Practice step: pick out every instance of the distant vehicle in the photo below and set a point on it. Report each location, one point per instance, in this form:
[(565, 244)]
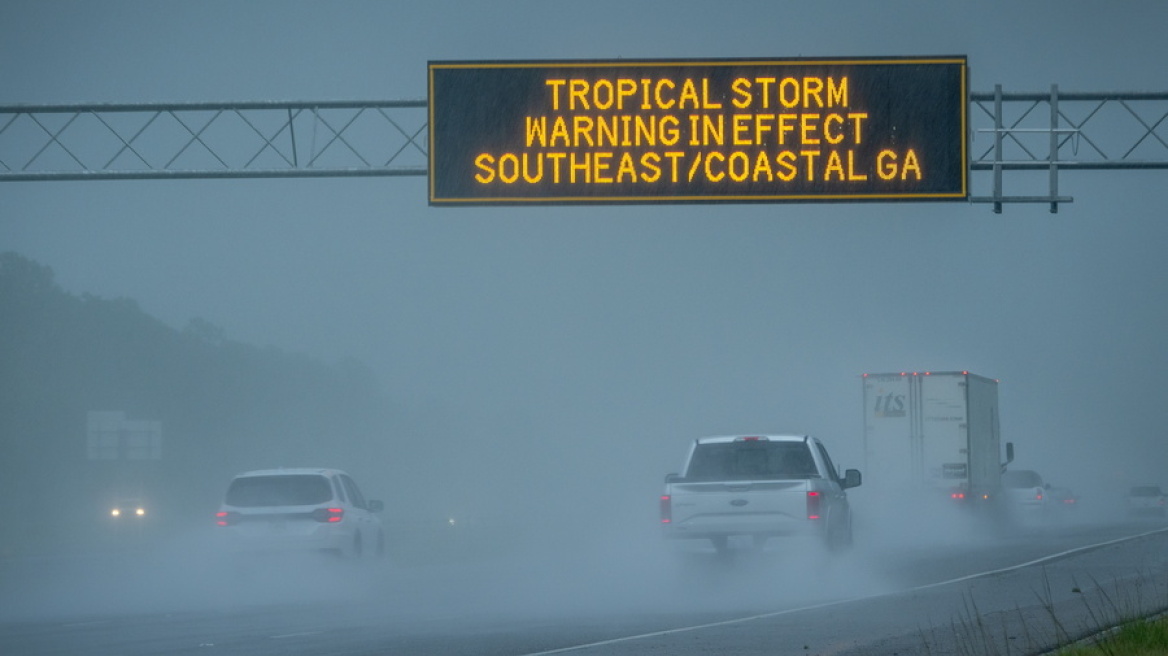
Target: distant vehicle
[(1063, 497), (300, 510), (130, 509), (933, 436), (127, 518), (1147, 500), (761, 486), (1025, 493)]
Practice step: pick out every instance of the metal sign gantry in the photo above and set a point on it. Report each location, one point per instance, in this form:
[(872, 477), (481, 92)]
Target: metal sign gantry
[(213, 140), (1041, 133), (1050, 132)]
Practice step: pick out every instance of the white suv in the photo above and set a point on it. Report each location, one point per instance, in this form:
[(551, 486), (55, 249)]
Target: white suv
[(302, 510)]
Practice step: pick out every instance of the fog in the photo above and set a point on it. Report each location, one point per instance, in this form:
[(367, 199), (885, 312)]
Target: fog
[(538, 370), (434, 577)]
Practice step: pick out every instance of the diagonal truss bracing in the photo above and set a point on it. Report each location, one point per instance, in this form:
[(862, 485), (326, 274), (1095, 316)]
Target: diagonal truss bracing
[(1053, 131), (1034, 135), (213, 140)]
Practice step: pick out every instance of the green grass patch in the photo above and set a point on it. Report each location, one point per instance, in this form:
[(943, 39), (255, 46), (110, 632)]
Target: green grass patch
[(1136, 638)]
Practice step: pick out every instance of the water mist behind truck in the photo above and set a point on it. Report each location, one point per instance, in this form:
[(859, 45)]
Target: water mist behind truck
[(934, 436)]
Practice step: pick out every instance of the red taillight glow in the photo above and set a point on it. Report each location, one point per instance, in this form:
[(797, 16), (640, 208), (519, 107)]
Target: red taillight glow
[(957, 495), (224, 518), (328, 515), (666, 509), (814, 501)]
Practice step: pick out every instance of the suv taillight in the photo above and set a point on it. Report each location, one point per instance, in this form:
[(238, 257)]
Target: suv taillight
[(666, 509), (814, 503), (225, 518), (328, 515)]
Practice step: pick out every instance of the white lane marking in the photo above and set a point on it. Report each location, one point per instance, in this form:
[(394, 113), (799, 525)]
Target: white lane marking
[(740, 620), (77, 625), (299, 634), (1039, 561)]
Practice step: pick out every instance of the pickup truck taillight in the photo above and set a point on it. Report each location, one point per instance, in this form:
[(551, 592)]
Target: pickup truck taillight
[(224, 518), (814, 503), (666, 509)]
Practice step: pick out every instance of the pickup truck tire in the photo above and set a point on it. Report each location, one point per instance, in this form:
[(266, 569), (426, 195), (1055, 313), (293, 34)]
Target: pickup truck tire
[(840, 537)]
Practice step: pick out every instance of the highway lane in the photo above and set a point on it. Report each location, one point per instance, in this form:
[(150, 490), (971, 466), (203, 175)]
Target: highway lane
[(1026, 590)]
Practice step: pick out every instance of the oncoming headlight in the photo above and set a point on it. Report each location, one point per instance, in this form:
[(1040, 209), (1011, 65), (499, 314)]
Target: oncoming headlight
[(128, 511)]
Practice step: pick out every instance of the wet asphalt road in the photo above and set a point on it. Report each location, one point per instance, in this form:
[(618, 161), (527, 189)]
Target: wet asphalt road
[(962, 594)]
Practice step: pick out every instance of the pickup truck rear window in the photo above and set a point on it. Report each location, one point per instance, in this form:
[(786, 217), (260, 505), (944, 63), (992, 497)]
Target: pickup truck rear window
[(738, 461)]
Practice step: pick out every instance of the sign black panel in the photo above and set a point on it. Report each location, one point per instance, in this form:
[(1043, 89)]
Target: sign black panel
[(669, 131)]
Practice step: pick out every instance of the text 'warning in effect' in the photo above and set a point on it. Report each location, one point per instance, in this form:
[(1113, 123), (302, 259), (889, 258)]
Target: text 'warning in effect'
[(549, 132)]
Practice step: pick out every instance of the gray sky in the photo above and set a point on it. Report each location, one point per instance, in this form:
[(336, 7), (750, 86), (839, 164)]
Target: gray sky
[(589, 339)]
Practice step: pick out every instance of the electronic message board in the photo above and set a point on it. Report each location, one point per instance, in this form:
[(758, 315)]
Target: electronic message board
[(672, 131)]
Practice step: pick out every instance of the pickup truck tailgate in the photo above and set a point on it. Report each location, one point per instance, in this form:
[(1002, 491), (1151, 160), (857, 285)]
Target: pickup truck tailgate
[(749, 506)]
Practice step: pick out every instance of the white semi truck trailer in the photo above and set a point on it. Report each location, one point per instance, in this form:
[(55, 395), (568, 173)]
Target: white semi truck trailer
[(933, 435)]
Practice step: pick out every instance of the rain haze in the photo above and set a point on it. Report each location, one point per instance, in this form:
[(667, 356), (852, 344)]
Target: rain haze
[(535, 371)]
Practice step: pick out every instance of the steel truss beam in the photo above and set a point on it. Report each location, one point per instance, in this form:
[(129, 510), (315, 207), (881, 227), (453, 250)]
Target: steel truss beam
[(213, 140), (1035, 132), (1049, 132)]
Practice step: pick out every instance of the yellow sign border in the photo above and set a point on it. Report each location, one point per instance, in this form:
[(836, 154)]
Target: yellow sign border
[(641, 200)]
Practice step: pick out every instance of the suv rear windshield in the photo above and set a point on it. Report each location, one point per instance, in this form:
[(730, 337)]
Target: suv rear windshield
[(751, 460), (282, 490)]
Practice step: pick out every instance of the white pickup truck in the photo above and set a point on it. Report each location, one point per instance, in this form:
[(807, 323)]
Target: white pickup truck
[(760, 486)]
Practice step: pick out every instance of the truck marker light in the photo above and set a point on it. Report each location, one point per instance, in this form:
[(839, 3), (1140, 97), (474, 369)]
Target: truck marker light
[(666, 509)]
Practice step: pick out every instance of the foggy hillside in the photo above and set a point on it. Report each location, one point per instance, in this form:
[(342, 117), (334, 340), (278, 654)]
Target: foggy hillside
[(224, 406)]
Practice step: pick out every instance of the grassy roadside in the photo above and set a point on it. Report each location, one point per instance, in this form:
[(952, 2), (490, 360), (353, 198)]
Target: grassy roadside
[(1133, 606), (1144, 637)]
